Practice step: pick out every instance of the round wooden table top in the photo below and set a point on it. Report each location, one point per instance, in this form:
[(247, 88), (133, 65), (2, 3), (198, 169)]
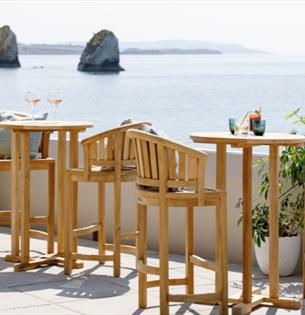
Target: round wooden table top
[(46, 125), (281, 139)]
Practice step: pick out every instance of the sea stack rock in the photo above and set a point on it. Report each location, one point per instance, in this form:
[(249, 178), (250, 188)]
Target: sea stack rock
[(101, 53), (8, 48)]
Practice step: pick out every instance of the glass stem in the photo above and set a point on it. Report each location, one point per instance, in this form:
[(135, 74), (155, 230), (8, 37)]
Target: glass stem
[(32, 110), (54, 112)]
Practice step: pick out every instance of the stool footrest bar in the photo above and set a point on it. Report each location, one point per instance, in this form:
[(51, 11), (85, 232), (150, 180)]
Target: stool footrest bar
[(128, 249), (198, 261), (39, 234), (39, 219), (195, 298), (156, 283), (129, 236), (141, 267), (293, 304), (92, 257), (87, 230)]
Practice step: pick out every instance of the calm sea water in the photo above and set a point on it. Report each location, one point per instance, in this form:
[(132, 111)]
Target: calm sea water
[(179, 94)]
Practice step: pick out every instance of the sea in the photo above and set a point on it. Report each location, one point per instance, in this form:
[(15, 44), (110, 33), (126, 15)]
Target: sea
[(179, 94)]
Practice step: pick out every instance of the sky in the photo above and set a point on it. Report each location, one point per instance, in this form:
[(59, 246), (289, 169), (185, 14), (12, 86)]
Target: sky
[(275, 26)]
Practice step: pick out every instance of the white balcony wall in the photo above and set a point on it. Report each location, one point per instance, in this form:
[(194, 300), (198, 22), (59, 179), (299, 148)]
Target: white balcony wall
[(205, 217)]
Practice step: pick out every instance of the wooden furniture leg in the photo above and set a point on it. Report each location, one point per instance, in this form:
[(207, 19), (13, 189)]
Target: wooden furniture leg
[(74, 184), (247, 234), (222, 259), (189, 250), (247, 225), (141, 252), (117, 229), (15, 190), (25, 198), (51, 200), (163, 257), (274, 222), (102, 221), (68, 228), (221, 183), (61, 166)]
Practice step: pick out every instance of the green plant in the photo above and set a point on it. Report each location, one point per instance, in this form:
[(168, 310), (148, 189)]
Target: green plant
[(292, 188)]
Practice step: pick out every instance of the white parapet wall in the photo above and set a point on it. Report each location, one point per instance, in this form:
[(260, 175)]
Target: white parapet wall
[(204, 219)]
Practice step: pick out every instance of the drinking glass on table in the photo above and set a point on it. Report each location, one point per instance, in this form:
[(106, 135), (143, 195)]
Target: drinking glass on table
[(32, 98), (233, 126), (259, 127), (54, 98)]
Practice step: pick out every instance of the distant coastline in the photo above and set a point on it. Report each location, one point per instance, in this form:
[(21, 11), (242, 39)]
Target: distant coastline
[(44, 49), (173, 51), (163, 47)]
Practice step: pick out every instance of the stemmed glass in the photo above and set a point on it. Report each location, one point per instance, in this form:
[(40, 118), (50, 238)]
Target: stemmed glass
[(54, 98), (32, 98)]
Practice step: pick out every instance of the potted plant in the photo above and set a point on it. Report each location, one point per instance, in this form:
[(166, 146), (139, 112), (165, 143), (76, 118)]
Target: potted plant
[(292, 188)]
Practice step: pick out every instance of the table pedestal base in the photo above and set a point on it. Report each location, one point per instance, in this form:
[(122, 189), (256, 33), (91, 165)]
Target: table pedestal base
[(42, 261), (12, 258), (259, 300)]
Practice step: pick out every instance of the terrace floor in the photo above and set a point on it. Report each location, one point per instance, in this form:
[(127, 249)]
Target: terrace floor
[(93, 290)]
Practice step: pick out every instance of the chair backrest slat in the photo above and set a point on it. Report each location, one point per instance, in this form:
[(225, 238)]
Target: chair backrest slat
[(110, 148), (102, 149), (126, 150), (192, 167), (146, 160), (132, 150), (182, 164), (140, 158), (171, 155), (153, 160), (93, 151)]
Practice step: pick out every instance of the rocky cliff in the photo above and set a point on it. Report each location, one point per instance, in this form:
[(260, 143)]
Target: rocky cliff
[(101, 53), (8, 48)]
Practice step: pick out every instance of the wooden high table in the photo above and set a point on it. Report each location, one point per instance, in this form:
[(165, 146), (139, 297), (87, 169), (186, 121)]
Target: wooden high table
[(250, 299), (20, 186)]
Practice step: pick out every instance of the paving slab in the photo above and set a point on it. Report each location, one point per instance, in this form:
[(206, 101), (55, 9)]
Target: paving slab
[(48, 309), (12, 299)]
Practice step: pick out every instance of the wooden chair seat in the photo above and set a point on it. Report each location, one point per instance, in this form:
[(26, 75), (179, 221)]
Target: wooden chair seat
[(109, 157), (181, 197), (96, 175)]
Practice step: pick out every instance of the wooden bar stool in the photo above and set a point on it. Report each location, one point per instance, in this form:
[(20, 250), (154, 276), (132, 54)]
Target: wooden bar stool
[(44, 162), (109, 157), (172, 175)]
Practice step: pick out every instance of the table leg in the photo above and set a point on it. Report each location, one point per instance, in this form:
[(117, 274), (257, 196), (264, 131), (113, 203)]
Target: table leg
[(221, 166), (74, 184), (25, 197), (274, 222), (246, 306), (15, 214), (221, 183), (61, 167), (247, 225)]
